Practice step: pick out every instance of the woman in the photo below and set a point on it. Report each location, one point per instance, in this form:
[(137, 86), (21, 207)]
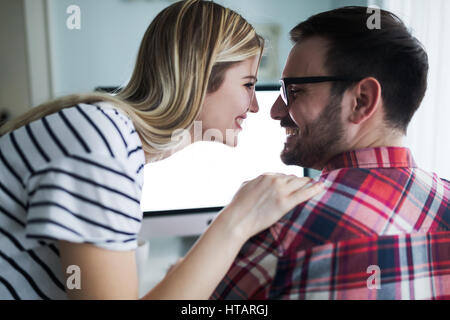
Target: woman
[(71, 169)]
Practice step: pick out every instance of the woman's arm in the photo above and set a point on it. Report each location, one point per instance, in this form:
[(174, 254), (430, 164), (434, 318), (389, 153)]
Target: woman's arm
[(105, 274), (257, 205)]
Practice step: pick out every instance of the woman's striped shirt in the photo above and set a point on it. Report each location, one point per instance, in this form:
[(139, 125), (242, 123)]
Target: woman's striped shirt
[(75, 175)]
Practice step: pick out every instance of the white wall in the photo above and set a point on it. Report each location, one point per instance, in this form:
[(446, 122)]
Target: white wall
[(103, 52), (344, 3), (428, 134)]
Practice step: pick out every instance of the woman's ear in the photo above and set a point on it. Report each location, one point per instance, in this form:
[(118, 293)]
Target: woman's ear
[(367, 99)]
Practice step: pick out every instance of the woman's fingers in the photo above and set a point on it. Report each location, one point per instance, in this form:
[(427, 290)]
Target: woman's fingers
[(295, 191), (303, 194), (294, 183), (264, 200), (263, 177), (273, 174)]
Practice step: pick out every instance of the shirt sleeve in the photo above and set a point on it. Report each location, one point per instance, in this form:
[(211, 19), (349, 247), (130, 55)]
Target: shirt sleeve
[(85, 199)]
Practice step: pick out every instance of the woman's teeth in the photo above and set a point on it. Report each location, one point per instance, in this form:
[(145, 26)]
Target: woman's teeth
[(240, 121), (292, 131)]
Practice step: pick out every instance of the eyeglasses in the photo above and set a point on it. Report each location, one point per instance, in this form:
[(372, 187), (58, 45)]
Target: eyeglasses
[(285, 82)]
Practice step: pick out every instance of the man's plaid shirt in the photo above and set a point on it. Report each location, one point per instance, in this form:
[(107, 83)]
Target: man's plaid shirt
[(378, 211)]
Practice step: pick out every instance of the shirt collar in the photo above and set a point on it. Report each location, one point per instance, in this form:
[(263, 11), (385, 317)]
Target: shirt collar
[(383, 157)]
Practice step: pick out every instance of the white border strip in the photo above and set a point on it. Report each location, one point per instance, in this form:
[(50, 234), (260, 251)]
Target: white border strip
[(37, 41)]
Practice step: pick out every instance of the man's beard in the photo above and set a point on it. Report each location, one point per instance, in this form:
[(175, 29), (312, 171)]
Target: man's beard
[(318, 141)]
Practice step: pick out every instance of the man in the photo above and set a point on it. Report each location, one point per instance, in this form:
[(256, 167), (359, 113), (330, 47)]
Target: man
[(382, 228)]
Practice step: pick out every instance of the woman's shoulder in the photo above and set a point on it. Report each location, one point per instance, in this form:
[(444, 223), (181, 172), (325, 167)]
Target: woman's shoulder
[(92, 130), (95, 128)]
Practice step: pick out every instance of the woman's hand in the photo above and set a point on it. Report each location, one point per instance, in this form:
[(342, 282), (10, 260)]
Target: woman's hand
[(263, 201)]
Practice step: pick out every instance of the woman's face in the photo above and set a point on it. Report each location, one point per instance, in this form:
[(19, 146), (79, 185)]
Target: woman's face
[(225, 110)]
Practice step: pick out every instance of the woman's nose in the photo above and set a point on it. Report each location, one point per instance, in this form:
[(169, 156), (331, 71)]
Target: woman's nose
[(254, 106)]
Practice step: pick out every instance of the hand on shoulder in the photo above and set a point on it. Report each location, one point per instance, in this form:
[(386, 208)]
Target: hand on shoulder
[(261, 202)]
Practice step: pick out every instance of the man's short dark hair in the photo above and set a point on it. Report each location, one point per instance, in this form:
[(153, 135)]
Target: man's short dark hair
[(390, 54)]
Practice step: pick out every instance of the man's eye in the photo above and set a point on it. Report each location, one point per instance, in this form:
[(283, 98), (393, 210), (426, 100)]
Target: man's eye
[(249, 85), (295, 91)]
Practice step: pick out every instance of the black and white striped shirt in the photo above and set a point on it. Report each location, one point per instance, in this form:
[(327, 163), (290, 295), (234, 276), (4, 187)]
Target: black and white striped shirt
[(75, 175)]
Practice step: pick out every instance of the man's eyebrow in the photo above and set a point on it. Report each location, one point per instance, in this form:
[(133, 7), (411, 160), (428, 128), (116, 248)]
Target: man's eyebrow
[(301, 85), (251, 77)]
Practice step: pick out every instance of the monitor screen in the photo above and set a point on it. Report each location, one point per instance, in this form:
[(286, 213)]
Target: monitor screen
[(203, 178)]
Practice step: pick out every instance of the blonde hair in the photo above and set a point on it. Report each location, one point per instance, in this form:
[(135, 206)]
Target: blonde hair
[(184, 54)]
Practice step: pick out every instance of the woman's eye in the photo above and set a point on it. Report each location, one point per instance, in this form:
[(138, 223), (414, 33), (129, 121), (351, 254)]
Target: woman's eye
[(249, 85)]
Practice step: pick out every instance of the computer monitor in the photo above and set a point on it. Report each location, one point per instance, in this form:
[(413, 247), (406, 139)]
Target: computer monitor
[(184, 193)]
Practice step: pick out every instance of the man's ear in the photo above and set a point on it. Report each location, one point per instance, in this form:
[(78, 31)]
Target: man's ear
[(366, 100)]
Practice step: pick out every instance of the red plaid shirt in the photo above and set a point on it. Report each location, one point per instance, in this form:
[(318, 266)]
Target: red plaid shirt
[(381, 230)]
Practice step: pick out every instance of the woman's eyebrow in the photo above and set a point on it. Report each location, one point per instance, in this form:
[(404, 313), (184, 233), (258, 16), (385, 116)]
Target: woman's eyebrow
[(251, 77)]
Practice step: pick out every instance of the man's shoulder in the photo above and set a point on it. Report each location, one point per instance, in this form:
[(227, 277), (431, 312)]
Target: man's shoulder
[(294, 229), (359, 203)]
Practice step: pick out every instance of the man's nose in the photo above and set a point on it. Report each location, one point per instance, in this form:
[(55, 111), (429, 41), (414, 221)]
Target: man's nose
[(254, 106), (278, 110)]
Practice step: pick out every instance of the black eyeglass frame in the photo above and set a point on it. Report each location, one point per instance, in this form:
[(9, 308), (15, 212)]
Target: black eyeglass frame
[(285, 82)]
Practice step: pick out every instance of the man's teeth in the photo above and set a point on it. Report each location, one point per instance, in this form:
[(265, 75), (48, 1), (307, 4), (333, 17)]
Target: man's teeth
[(240, 121), (292, 131)]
